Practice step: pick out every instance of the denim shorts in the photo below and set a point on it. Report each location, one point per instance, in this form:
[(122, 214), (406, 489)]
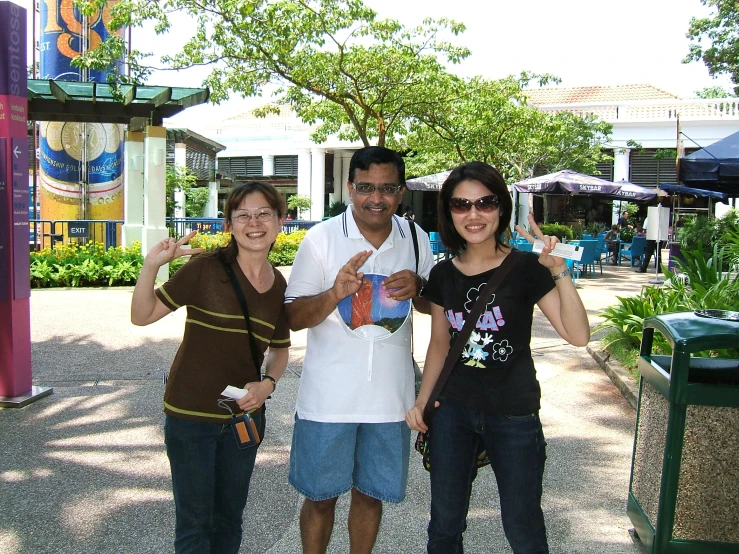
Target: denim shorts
[(329, 459)]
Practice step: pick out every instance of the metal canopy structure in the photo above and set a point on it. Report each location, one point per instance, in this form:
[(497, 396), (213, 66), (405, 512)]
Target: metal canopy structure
[(50, 100)]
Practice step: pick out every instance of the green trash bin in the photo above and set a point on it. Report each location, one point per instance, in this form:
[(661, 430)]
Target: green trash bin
[(684, 485)]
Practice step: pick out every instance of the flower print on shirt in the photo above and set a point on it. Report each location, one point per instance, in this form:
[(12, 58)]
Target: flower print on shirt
[(472, 296), (479, 346), (502, 350)]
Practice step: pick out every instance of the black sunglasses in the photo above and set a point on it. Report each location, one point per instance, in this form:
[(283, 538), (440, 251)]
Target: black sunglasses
[(486, 204)]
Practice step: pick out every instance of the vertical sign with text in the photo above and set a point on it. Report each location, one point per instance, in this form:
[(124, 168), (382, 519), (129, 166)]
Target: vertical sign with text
[(4, 233), (15, 318), (21, 228), (14, 128)]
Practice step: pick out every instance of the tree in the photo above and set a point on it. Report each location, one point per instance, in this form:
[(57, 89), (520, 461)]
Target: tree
[(492, 122), (714, 92), (720, 31), (196, 199), (338, 66), (177, 178), (299, 203)]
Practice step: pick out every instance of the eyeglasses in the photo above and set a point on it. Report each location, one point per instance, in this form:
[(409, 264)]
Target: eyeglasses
[(260, 215), (486, 204), (366, 189)]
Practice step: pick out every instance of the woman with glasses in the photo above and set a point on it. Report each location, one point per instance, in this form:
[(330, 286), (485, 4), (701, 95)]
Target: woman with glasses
[(492, 396), (210, 468)]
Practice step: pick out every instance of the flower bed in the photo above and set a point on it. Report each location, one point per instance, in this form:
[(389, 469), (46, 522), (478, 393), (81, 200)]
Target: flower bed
[(86, 265), (91, 265)]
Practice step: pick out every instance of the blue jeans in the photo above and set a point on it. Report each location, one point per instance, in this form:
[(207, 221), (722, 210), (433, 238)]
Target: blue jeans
[(517, 451), (210, 481)]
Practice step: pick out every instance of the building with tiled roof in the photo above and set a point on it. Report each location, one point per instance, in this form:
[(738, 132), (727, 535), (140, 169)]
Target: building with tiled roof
[(580, 95)]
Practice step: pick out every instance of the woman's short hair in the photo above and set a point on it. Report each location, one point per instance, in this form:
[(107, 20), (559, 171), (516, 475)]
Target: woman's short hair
[(488, 177), (237, 194)]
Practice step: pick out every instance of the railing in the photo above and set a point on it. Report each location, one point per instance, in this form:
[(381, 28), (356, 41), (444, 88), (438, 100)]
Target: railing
[(182, 225), (650, 110), (45, 233), (297, 224)]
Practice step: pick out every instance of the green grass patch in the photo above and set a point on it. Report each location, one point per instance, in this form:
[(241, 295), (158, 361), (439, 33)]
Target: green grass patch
[(621, 350)]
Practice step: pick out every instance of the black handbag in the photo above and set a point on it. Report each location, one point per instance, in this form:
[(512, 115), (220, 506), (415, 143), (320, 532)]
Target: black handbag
[(422, 440)]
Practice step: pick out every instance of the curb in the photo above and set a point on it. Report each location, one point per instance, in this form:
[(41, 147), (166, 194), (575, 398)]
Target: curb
[(619, 375)]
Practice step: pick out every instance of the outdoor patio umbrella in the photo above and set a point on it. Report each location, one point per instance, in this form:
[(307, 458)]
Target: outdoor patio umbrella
[(689, 191), (567, 182), (428, 182), (630, 191), (715, 167)]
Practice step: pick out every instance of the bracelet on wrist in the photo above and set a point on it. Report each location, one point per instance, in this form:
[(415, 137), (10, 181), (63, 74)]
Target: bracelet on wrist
[(564, 273), (274, 383)]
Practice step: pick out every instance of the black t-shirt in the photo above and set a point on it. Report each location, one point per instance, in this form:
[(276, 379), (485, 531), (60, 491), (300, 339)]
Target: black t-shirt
[(495, 372)]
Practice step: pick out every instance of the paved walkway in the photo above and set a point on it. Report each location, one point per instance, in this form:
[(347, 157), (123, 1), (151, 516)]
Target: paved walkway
[(84, 470)]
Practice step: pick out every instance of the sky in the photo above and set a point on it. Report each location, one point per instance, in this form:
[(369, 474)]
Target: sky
[(583, 42)]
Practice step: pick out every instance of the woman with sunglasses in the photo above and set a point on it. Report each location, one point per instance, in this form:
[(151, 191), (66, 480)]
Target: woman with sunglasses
[(211, 469), (492, 395)]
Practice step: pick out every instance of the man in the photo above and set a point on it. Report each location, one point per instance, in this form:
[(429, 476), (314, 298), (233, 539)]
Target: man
[(650, 250), (623, 221), (355, 388)]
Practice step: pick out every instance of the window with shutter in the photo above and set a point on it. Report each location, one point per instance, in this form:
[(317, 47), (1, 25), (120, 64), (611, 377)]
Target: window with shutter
[(254, 166), (604, 170), (224, 166), (286, 165), (648, 171)]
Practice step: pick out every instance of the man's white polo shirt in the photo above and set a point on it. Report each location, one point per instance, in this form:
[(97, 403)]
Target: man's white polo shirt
[(347, 378)]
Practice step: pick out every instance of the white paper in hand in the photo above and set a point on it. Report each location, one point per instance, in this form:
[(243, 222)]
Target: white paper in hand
[(569, 251), (234, 392)]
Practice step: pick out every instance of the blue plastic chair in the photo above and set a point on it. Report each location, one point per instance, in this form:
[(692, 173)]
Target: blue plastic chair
[(588, 257), (437, 247), (635, 252), (601, 250), (524, 246)]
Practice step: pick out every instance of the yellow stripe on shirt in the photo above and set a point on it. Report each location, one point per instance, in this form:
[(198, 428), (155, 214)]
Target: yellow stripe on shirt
[(231, 316), (227, 329), (168, 297), (194, 413)]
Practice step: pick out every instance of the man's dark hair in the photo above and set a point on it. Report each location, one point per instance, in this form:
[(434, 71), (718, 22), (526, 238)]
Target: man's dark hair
[(364, 157), (488, 177)]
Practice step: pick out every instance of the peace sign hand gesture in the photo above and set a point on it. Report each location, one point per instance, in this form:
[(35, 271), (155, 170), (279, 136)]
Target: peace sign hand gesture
[(349, 279), (545, 258), (167, 250)]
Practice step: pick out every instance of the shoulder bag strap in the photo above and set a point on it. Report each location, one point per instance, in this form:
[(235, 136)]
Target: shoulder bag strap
[(242, 301), (412, 227), (459, 343), (416, 371)]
